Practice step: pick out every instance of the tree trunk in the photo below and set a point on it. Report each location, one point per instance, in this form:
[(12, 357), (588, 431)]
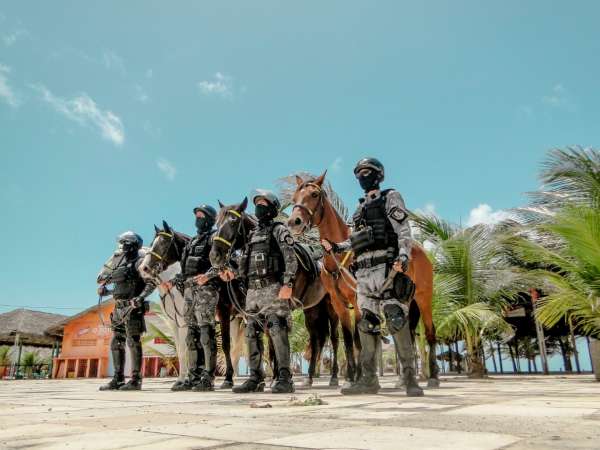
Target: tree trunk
[(564, 350), (574, 344), (493, 357), (595, 357), (512, 358), (458, 362), (474, 355), (500, 358)]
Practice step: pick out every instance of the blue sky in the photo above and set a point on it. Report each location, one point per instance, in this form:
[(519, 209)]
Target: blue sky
[(115, 115)]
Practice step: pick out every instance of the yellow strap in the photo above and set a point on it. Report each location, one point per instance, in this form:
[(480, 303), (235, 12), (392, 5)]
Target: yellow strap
[(346, 257), (235, 213), (316, 186), (163, 233), (224, 241), (156, 255)]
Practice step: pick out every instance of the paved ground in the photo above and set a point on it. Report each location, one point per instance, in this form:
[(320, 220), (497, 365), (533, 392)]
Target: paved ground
[(503, 412)]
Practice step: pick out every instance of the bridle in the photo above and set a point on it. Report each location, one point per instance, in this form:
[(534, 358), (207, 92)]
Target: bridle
[(240, 231), (161, 258), (310, 212)]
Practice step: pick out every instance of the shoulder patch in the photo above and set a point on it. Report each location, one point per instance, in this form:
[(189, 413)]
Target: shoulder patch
[(399, 215)]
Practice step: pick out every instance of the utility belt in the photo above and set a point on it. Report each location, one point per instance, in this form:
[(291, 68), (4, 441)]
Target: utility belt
[(124, 303), (259, 283), (372, 261)]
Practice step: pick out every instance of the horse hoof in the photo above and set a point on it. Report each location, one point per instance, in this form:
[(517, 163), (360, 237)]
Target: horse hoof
[(433, 383), (226, 384), (334, 382)]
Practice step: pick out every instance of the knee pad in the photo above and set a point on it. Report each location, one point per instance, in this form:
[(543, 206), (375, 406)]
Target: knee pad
[(206, 334), (117, 343), (369, 323), (394, 317), (404, 288), (276, 323), (253, 329)]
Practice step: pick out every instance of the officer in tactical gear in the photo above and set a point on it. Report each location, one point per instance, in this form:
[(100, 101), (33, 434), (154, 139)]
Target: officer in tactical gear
[(200, 290), (129, 291), (381, 243), (269, 264)]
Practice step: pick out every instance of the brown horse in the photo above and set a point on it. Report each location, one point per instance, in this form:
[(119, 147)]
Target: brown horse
[(313, 208)]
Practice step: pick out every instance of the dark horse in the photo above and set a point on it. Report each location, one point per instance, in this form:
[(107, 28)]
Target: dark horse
[(166, 249), (233, 229)]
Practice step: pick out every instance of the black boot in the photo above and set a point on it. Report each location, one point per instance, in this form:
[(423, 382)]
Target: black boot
[(284, 383), (412, 387), (250, 385), (135, 384), (205, 384), (208, 342), (113, 385), (182, 386), (117, 347), (368, 382)]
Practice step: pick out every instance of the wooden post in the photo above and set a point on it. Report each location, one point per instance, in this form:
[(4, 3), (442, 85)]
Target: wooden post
[(541, 339)]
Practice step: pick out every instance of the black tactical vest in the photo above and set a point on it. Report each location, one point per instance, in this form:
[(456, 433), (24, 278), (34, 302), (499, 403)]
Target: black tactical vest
[(195, 255), (372, 227), (265, 259), (127, 281)]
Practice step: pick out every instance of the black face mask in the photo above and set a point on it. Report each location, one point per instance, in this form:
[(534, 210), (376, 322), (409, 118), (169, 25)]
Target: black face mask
[(202, 224), (263, 213), (369, 182), (129, 248)]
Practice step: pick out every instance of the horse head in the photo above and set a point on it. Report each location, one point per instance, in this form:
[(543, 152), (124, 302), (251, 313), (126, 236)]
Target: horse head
[(165, 250), (308, 204), (233, 226)]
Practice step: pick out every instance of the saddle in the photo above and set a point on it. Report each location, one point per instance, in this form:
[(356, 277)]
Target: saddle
[(308, 258)]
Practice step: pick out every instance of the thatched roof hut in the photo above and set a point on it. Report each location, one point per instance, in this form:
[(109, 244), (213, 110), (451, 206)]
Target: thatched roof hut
[(29, 325)]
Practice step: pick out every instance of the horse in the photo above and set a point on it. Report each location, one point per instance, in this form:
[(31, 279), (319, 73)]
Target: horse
[(233, 229), (165, 251), (312, 208)]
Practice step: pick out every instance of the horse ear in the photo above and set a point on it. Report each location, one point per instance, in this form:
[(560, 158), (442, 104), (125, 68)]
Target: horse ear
[(242, 207), (299, 181), (166, 226), (156, 229), (221, 205), (320, 179)]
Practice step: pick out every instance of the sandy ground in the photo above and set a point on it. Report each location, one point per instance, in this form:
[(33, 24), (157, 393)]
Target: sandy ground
[(533, 412)]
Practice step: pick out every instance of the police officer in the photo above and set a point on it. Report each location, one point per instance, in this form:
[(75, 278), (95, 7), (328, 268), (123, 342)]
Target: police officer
[(201, 294), (269, 264), (381, 243), (127, 320)]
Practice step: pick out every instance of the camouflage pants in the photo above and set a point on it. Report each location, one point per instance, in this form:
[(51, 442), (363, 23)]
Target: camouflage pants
[(128, 325), (200, 309), (267, 312), (370, 281)]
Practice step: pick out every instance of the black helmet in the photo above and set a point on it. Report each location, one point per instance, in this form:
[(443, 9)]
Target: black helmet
[(130, 239), (370, 163), (268, 196), (208, 210)]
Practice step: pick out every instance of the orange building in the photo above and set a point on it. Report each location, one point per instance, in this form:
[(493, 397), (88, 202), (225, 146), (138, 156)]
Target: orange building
[(85, 351)]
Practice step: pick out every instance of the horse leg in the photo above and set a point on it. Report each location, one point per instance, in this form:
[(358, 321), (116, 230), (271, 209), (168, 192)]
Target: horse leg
[(311, 321), (334, 321), (272, 359), (339, 305), (225, 316), (424, 303)]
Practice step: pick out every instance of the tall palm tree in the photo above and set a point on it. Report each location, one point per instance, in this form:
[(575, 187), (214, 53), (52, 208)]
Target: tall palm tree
[(473, 282)]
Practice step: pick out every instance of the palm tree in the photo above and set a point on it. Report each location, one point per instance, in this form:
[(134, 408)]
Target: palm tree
[(473, 282)]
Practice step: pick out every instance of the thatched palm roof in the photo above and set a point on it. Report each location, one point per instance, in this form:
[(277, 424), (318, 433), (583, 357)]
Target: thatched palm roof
[(29, 325)]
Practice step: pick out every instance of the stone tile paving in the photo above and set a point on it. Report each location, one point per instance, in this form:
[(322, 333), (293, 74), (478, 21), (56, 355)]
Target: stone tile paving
[(505, 412)]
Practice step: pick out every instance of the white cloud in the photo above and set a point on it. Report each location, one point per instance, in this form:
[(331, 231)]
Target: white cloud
[(336, 165), (167, 168), (83, 110), (11, 38), (141, 95), (484, 214), (221, 85), (559, 98), (6, 92), (113, 61)]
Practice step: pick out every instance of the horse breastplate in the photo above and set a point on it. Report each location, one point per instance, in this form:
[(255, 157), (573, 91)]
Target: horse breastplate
[(196, 259), (372, 227), (265, 259)]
